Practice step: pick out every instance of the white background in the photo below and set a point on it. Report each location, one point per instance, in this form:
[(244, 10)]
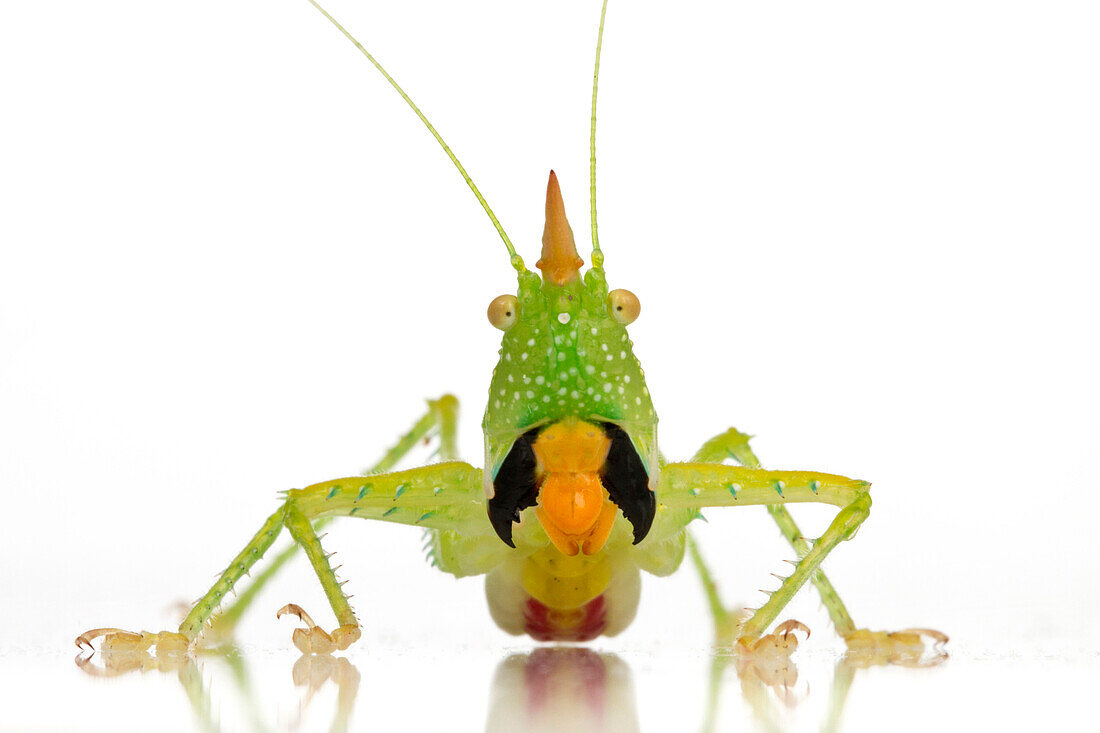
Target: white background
[(234, 262)]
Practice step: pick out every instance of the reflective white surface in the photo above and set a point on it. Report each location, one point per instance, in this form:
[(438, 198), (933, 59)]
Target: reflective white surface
[(443, 688), (233, 263)]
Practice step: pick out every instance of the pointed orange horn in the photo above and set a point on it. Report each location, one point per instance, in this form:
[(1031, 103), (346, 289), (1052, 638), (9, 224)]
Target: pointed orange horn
[(560, 262)]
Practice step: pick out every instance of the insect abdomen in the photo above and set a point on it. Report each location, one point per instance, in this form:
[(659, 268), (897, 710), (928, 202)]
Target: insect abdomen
[(553, 597)]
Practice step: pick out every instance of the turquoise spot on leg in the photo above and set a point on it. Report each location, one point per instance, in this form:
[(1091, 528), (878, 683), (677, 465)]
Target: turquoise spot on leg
[(390, 511), (354, 509), (333, 492), (733, 490), (779, 487), (424, 516), (400, 490), (815, 485), (363, 491)]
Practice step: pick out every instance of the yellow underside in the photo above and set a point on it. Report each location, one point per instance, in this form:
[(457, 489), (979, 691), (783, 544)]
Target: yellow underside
[(565, 581)]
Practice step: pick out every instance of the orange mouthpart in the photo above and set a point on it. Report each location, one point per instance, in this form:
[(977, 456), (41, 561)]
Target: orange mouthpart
[(560, 262), (573, 506)]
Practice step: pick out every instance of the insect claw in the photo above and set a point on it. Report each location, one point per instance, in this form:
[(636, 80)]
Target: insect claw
[(295, 609), (788, 627)]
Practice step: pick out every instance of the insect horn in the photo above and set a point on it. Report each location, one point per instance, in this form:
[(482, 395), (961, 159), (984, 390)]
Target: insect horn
[(560, 263)]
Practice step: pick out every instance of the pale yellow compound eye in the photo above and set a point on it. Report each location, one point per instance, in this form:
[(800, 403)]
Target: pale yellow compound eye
[(624, 306), (503, 311)]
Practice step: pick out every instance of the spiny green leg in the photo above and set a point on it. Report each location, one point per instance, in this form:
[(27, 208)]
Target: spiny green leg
[(313, 639), (769, 665), (443, 496), (898, 647), (689, 487), (120, 640), (734, 444), (441, 417), (206, 606)]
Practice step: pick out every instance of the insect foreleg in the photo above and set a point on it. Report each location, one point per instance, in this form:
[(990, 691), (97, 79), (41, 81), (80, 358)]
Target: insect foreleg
[(699, 485), (443, 496), (735, 444), (441, 419)]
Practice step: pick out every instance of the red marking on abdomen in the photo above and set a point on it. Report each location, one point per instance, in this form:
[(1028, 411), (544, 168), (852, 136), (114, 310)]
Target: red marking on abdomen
[(576, 624)]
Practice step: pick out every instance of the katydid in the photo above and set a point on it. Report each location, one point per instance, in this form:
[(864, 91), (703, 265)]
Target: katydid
[(575, 499)]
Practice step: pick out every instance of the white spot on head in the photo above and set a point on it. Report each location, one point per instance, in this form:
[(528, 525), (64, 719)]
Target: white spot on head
[(603, 347), (574, 394), (598, 398), (523, 356), (561, 356), (510, 379), (496, 403), (540, 379), (626, 378), (546, 398), (594, 331), (607, 387), (637, 400), (622, 354), (622, 390), (563, 318), (590, 369), (590, 390), (530, 342), (530, 394)]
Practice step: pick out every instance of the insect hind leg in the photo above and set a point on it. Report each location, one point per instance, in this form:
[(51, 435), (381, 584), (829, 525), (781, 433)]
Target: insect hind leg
[(440, 420)]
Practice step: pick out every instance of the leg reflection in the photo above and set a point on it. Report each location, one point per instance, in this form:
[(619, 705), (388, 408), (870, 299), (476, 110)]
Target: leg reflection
[(312, 672)]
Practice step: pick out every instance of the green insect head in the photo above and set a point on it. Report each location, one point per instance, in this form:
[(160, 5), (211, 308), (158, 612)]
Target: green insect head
[(566, 359)]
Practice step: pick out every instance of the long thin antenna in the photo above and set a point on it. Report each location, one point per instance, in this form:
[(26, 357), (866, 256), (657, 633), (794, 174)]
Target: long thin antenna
[(517, 261), (597, 255)]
